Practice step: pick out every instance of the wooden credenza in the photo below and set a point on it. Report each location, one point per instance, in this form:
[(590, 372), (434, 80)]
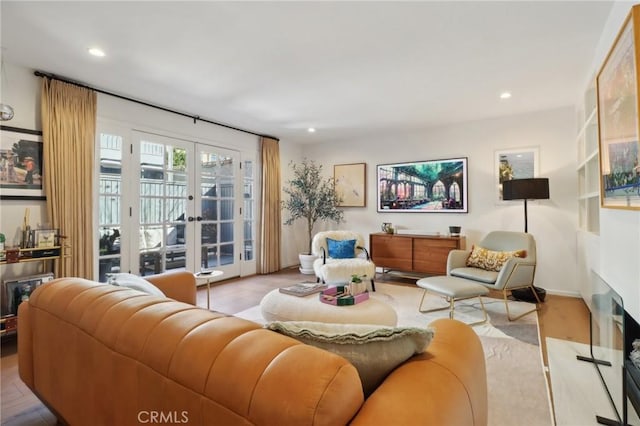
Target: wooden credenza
[(425, 254)]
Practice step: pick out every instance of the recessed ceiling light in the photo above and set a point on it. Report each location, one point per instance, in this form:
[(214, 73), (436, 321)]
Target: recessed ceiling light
[(311, 130), (96, 52), (505, 95)]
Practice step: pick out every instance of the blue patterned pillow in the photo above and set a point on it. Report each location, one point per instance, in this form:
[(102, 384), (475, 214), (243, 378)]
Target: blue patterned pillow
[(341, 249)]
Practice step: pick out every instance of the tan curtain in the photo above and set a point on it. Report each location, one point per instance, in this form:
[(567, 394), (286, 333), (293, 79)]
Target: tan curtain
[(68, 133), (270, 226)]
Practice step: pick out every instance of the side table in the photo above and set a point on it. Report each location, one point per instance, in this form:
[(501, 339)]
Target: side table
[(206, 278)]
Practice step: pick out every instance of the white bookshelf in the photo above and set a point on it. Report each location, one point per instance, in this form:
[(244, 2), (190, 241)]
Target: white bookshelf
[(588, 164)]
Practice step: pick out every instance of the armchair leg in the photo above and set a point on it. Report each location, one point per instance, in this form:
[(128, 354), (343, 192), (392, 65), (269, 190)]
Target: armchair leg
[(373, 285), (506, 304)]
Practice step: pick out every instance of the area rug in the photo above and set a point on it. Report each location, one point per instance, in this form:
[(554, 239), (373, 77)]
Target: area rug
[(518, 391)]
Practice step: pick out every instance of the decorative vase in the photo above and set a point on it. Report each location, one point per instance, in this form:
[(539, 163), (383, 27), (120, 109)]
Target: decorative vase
[(306, 263)]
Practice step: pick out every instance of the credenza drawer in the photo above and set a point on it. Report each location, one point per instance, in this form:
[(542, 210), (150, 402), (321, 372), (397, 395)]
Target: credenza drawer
[(413, 253)]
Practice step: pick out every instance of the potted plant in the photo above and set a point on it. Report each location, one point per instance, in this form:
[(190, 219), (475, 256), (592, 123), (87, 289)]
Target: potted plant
[(313, 198)]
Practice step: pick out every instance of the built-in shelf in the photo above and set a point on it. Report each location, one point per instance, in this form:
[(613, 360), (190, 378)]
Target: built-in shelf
[(588, 169), (36, 255)]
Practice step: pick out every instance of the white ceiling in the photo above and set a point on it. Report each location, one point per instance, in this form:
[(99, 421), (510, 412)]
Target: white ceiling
[(346, 68)]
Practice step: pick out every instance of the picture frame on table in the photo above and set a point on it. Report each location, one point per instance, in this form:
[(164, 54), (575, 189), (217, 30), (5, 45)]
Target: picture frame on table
[(21, 164), (430, 186), (617, 105), (351, 184), (515, 163), (45, 238)]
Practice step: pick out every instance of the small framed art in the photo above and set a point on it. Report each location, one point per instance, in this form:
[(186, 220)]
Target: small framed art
[(21, 164), (45, 238), (350, 181), (517, 163)]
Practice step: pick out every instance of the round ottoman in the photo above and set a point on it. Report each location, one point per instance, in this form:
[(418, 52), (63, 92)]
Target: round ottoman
[(276, 306)]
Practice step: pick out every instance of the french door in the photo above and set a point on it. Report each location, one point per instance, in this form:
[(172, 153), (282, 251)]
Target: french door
[(173, 204)]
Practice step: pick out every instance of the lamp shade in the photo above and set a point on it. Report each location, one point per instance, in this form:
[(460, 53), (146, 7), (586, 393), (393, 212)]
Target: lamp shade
[(526, 189)]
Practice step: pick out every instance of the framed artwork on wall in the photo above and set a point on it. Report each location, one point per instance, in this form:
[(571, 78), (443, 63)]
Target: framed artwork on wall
[(21, 164), (617, 93), (351, 186), (433, 186), (517, 163)]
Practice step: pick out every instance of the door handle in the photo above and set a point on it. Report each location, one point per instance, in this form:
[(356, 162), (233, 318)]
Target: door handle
[(199, 218), (190, 219)]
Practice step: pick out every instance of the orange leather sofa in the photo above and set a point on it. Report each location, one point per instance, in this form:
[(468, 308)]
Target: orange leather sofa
[(105, 355)]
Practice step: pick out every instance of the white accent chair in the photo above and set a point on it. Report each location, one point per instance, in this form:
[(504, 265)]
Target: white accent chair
[(339, 271), (517, 272)]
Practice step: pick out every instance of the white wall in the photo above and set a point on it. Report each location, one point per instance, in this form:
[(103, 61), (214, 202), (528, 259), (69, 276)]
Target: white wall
[(552, 222), (21, 90)]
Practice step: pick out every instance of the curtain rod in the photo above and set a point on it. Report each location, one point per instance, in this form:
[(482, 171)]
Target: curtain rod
[(126, 98)]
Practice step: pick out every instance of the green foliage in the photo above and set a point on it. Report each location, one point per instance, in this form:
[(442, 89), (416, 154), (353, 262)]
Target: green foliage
[(311, 197)]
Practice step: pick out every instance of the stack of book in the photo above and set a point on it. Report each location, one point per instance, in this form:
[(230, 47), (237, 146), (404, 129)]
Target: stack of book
[(303, 289)]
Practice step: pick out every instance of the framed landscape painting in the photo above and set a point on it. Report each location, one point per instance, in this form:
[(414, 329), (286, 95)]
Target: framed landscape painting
[(350, 181), (432, 186), (518, 163), (21, 164), (617, 92)]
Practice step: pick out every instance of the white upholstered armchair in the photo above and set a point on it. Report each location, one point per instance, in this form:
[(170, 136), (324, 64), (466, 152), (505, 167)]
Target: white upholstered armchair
[(341, 254), (508, 263)]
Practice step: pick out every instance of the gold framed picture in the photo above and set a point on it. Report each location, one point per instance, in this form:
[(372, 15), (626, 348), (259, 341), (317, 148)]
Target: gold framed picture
[(617, 93)]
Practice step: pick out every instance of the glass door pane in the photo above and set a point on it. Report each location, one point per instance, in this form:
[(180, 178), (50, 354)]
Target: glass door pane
[(218, 222), (164, 204), (109, 205), (248, 212)]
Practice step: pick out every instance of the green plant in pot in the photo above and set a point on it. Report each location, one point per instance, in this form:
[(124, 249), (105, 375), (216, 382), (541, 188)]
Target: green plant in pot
[(313, 198)]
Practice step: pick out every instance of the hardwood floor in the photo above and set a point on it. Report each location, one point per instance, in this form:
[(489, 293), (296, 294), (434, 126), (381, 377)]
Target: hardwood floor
[(560, 317)]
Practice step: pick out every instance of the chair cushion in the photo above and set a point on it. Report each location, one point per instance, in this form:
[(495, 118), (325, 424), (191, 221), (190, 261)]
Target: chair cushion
[(476, 274), (491, 260), (374, 350), (341, 249)]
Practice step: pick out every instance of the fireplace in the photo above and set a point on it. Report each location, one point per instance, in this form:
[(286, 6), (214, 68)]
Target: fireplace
[(632, 372), (613, 331)]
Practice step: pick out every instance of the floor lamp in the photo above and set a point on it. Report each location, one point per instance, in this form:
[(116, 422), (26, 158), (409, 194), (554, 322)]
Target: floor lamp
[(526, 189)]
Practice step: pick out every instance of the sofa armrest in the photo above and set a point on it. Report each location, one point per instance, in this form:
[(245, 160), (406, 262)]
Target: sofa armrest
[(516, 272), (180, 286), (414, 393), (457, 259), (25, 346)]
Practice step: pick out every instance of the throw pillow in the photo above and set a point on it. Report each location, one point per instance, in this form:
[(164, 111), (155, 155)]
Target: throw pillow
[(491, 260), (341, 249), (374, 350), (136, 283)]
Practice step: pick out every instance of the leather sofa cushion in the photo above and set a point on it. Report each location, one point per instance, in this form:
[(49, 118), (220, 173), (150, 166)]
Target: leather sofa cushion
[(375, 351)]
